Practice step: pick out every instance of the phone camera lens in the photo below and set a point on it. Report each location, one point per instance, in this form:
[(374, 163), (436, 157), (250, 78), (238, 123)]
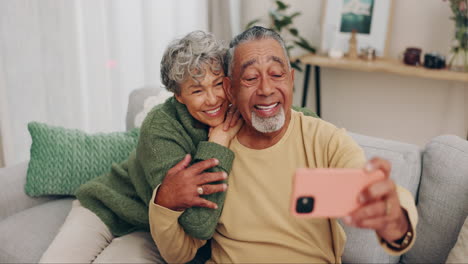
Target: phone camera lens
[(305, 204)]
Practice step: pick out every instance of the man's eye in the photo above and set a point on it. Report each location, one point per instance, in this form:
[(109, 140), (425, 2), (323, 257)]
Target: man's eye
[(251, 79), (220, 83), (196, 91), (278, 75)]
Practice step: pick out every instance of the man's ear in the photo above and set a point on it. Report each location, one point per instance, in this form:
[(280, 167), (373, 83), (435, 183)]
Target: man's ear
[(228, 89), (292, 74)]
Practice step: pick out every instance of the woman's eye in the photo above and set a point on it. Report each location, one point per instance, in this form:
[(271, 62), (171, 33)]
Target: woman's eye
[(196, 91), (220, 83), (251, 79)]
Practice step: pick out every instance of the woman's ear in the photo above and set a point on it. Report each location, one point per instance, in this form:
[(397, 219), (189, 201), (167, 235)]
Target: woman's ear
[(228, 89), (178, 98)]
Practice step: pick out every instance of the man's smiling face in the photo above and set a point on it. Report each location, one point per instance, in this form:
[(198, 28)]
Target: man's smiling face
[(262, 84)]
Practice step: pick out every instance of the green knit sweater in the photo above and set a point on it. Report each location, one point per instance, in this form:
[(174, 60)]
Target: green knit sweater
[(120, 198)]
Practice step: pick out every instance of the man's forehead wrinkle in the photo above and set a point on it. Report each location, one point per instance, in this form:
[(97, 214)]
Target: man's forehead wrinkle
[(248, 63), (276, 59), (257, 52)]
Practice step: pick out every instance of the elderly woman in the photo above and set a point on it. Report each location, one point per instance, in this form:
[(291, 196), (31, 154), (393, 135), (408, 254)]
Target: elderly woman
[(109, 221)]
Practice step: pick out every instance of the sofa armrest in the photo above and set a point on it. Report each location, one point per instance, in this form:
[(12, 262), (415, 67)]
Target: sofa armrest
[(13, 199)]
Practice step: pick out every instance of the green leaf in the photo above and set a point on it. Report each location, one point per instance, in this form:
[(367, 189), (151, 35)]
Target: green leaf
[(275, 15), (305, 46), (306, 43), (296, 66), (295, 15), (281, 5), (281, 23), (252, 23), (294, 32), (278, 25), (287, 21)]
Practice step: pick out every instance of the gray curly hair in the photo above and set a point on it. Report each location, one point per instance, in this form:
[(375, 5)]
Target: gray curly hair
[(187, 57)]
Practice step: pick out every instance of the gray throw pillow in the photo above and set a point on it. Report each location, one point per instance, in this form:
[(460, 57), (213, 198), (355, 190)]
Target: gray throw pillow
[(443, 200)]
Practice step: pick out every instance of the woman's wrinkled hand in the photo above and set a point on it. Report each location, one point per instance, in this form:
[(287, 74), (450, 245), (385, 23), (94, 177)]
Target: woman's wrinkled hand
[(183, 185), (232, 116), (225, 132)]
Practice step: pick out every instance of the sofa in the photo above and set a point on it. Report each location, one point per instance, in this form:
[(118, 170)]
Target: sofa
[(436, 175)]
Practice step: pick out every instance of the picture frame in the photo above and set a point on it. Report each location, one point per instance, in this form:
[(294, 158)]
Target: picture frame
[(370, 18)]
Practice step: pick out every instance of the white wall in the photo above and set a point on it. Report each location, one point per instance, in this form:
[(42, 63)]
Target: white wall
[(1, 153), (395, 107), (74, 63)]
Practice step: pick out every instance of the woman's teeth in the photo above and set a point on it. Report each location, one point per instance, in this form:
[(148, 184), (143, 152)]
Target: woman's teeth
[(263, 107), (214, 111)]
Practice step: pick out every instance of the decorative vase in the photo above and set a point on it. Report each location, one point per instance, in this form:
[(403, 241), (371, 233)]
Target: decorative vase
[(458, 58)]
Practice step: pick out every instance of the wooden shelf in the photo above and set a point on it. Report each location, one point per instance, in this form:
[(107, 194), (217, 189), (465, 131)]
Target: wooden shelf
[(384, 65)]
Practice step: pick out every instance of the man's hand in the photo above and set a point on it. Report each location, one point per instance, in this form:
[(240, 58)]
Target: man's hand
[(380, 208), (183, 185)]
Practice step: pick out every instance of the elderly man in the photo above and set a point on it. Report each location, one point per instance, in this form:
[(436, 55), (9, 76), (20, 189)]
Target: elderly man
[(255, 225)]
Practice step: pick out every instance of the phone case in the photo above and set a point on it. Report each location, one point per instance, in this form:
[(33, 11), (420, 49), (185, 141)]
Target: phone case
[(329, 193)]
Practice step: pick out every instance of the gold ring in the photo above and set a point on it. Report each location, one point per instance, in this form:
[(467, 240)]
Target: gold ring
[(388, 207), (200, 190)]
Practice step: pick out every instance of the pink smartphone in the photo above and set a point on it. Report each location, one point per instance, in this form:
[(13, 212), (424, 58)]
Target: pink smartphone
[(329, 193)]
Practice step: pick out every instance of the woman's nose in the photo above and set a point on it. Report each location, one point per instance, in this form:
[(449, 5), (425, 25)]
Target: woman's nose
[(211, 98)]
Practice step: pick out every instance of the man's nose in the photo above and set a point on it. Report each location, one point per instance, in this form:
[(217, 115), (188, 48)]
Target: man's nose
[(265, 88)]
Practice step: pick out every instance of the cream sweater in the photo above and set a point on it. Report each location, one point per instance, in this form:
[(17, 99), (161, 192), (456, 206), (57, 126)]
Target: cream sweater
[(256, 225)]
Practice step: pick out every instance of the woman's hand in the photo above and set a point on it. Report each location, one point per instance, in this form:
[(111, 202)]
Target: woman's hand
[(232, 116), (183, 185), (225, 132)]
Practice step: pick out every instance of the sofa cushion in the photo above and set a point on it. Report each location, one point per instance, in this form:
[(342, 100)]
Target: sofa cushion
[(12, 196), (141, 101), (362, 245), (26, 235), (459, 253), (63, 159), (443, 199)]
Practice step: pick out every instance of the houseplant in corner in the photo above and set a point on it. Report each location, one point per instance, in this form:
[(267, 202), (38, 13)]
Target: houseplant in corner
[(458, 58), (282, 23)]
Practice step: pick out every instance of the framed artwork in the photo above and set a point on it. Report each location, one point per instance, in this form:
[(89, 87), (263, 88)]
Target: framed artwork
[(369, 18)]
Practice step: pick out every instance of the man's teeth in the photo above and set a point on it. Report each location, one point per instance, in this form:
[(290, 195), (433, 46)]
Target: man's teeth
[(262, 107), (213, 111)]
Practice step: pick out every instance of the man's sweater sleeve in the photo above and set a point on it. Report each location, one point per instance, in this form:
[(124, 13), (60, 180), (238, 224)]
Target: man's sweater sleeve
[(407, 203), (173, 243)]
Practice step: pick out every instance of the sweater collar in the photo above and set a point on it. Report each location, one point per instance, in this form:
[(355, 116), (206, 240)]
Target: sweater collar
[(197, 130)]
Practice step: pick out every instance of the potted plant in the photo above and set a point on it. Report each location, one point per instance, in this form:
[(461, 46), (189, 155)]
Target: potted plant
[(282, 23)]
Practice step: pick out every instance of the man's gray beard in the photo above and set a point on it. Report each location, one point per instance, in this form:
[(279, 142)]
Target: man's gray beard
[(268, 124)]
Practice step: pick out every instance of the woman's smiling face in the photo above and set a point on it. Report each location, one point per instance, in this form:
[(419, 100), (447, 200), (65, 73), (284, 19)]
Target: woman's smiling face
[(205, 98)]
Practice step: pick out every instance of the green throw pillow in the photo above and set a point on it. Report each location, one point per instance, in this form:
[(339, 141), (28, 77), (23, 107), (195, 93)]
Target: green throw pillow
[(63, 159)]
